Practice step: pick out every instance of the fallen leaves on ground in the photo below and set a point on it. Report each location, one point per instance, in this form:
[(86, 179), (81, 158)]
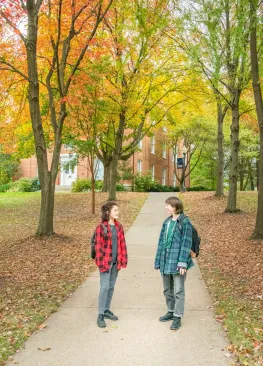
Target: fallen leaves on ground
[(232, 266), (37, 274)]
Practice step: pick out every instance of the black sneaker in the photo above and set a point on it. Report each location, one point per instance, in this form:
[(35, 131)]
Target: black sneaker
[(100, 321), (109, 315), (176, 324), (167, 317)]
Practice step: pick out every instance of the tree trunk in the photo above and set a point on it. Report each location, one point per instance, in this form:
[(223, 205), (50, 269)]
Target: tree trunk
[(220, 150), (92, 185), (106, 178), (258, 231), (45, 225), (181, 186), (241, 168), (232, 195), (116, 156), (250, 176), (113, 178)]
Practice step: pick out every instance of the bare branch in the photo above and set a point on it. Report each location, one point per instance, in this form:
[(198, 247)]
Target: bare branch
[(12, 68)]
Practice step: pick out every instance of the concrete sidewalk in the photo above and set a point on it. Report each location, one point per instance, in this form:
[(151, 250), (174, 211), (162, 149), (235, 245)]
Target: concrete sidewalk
[(138, 338)]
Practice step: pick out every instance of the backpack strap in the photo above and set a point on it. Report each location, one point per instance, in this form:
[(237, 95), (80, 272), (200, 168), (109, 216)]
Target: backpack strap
[(180, 221), (105, 229)]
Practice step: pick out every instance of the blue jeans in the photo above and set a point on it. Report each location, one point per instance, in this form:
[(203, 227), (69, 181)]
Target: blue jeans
[(107, 283)]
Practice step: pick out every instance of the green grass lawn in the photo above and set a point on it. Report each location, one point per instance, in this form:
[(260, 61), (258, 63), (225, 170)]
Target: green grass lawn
[(11, 200)]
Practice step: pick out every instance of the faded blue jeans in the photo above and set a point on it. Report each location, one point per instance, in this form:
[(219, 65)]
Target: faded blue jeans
[(174, 293), (107, 283)]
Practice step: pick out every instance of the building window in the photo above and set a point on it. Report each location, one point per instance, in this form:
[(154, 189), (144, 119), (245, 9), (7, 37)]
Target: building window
[(152, 172), (164, 129), (153, 144), (139, 166), (140, 144), (174, 180), (164, 151), (98, 169), (164, 177), (174, 154)]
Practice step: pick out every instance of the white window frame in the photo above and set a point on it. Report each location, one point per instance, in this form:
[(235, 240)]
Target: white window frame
[(140, 144), (139, 166), (152, 172), (164, 153), (174, 154), (164, 176), (153, 145)]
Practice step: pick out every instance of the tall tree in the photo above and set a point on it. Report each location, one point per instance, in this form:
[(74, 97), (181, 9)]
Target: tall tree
[(254, 6), (205, 47), (222, 26), (52, 47), (137, 80)]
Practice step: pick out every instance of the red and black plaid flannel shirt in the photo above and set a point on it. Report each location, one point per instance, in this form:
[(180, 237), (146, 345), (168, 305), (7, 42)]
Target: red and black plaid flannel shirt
[(103, 247)]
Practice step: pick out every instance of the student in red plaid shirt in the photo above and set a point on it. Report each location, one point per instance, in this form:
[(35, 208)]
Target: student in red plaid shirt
[(111, 256)]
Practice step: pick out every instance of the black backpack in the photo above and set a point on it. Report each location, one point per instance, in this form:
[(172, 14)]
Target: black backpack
[(196, 240), (93, 241)]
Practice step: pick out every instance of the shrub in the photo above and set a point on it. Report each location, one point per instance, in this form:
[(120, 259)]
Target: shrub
[(81, 185), (144, 183), (199, 188), (120, 187), (35, 184), (84, 185), (98, 185), (26, 185), (5, 187)]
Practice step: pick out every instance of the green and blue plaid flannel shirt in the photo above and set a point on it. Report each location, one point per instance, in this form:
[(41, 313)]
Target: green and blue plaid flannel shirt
[(178, 254)]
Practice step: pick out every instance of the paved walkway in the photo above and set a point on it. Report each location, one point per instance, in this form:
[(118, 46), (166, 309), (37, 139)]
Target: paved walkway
[(138, 338)]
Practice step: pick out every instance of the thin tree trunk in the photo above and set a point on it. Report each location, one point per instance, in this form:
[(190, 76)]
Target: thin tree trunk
[(220, 150), (116, 156), (113, 178), (232, 195), (241, 168), (92, 185), (181, 186), (106, 179), (258, 231), (250, 176)]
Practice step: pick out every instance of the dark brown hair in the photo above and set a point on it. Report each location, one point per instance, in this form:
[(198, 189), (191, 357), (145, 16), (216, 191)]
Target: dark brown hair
[(176, 203), (106, 208)]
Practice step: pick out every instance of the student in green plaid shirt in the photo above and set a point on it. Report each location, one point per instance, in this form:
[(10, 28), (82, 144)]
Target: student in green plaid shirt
[(173, 259)]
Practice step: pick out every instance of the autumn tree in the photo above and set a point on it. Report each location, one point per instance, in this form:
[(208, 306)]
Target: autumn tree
[(199, 35), (255, 39), (222, 26), (194, 135), (44, 44), (138, 80)]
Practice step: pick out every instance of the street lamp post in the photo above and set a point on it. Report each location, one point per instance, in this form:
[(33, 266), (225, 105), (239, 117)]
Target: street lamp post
[(184, 150)]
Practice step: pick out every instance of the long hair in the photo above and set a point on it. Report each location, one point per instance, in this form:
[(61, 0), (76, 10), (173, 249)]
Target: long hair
[(106, 209)]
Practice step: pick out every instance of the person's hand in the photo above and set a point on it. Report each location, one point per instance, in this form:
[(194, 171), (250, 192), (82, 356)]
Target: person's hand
[(182, 271)]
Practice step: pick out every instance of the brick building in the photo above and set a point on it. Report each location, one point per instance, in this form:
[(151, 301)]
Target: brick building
[(154, 158)]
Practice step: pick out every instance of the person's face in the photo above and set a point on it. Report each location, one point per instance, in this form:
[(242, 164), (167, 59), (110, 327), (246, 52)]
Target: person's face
[(170, 209), (114, 213)]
